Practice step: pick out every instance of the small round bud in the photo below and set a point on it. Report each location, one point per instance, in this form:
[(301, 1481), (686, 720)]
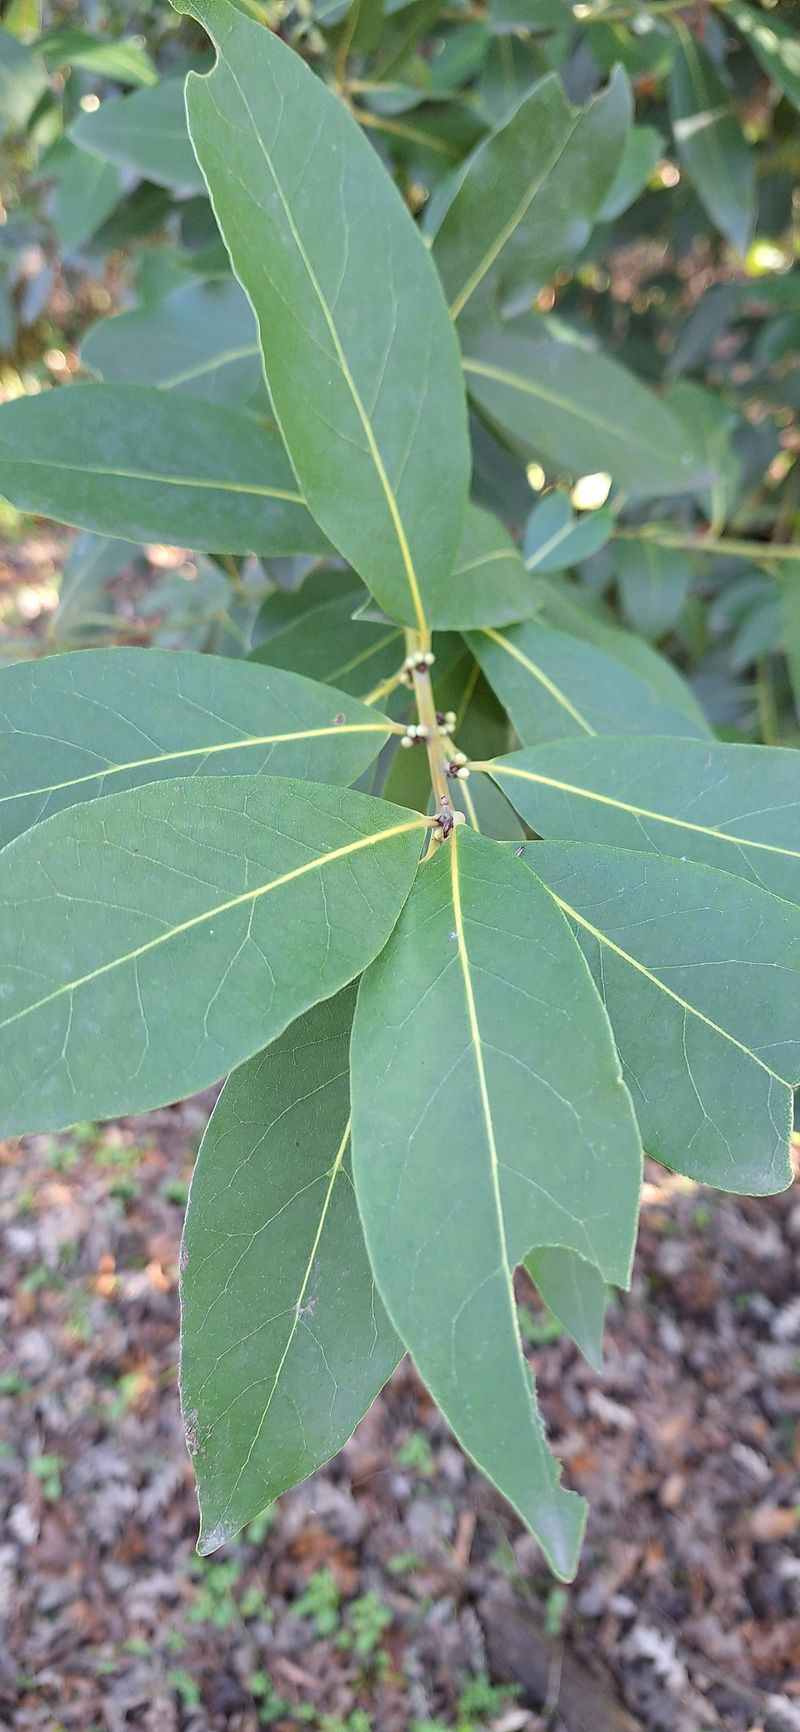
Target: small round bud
[(463, 773), (422, 732), (459, 759), (429, 658), (406, 741), (438, 834), (451, 718)]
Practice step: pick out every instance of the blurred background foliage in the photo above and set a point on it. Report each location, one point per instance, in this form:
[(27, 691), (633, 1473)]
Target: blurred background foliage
[(683, 281)]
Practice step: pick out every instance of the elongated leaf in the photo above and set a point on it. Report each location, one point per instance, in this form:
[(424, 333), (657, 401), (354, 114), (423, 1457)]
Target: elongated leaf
[(710, 140), (85, 194), (700, 974), (490, 1132), (91, 563), (152, 939), (139, 464), (577, 1295), (77, 726), (527, 196), (775, 45), (733, 807), (127, 62), (553, 685), (489, 585), (653, 584), (556, 538), (640, 153), (146, 132), (201, 339), (284, 1338), (579, 411), (377, 434)]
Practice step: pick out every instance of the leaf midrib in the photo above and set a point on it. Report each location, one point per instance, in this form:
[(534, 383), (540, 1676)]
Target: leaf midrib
[(240, 901), (213, 485), (641, 811), (539, 674), (196, 752), (688, 1009), (517, 382), (368, 429)]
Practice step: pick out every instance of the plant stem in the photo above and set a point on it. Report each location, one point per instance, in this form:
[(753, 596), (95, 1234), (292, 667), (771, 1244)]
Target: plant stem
[(724, 546), (434, 743)]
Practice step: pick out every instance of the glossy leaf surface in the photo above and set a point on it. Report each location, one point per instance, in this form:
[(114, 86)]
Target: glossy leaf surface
[(553, 686), (699, 973), (146, 132), (710, 140), (141, 464), (377, 434), (733, 807), (284, 1338), (577, 1295), (243, 900), (77, 726), (527, 196), (489, 1134), (201, 339)]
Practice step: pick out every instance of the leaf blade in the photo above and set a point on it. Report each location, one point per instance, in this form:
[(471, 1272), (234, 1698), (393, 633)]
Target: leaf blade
[(243, 900), (79, 726), (368, 315), (301, 1281)]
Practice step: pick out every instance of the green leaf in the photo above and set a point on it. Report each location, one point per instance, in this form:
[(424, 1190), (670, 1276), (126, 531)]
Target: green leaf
[(775, 45), (790, 600), (353, 307), (23, 80), (577, 1295), (489, 585), (580, 412), (641, 152), (143, 465), (153, 939), (83, 606), (653, 584), (566, 608), (699, 973), (490, 1132), (201, 339), (146, 132), (125, 61), (526, 198), (710, 141), (553, 685), (284, 1339), (733, 807), (324, 641), (87, 190), (556, 538), (709, 422), (77, 726)]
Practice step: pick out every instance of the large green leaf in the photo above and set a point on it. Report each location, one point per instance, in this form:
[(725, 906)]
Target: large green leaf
[(526, 198), (155, 938), (554, 685), (775, 45), (77, 726), (145, 132), (700, 973), (577, 1295), (23, 81), (126, 60), (710, 140), (734, 807), (579, 411), (360, 355), (144, 465), (555, 537), (201, 339), (285, 1341), (488, 1117)]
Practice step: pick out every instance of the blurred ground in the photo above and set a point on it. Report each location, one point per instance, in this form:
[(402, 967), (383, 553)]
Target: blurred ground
[(374, 1596)]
